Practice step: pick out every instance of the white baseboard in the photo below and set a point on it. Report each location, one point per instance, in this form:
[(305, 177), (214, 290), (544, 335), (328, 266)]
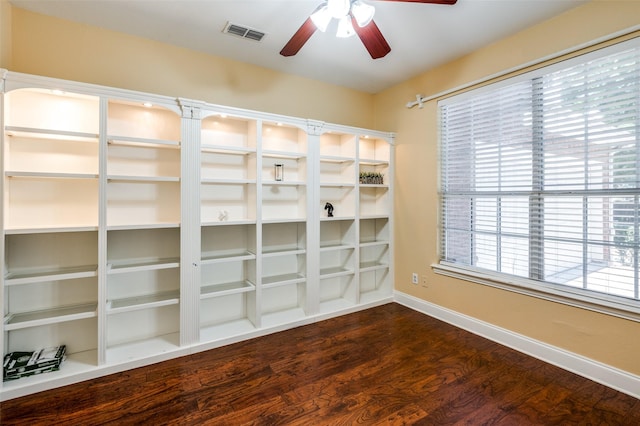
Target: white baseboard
[(593, 370)]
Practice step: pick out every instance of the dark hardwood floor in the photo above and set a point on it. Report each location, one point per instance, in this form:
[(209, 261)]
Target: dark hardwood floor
[(386, 365)]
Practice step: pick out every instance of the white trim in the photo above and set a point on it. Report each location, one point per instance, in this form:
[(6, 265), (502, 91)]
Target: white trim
[(593, 370), (593, 301)]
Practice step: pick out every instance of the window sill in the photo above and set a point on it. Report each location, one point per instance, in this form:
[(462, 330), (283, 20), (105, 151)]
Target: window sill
[(601, 303)]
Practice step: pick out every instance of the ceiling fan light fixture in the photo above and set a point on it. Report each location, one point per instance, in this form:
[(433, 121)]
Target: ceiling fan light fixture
[(338, 8), (362, 12), (354, 16), (321, 17), (345, 27)]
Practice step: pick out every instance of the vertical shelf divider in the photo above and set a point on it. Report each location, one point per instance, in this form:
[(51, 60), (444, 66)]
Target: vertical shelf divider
[(259, 238), (2, 213), (314, 130), (357, 225), (390, 178), (190, 233), (102, 234)]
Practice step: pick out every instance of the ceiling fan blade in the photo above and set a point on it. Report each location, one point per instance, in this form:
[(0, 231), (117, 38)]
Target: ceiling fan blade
[(298, 40), (372, 39), (426, 1)]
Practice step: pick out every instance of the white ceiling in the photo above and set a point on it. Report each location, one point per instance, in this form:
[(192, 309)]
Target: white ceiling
[(421, 36)]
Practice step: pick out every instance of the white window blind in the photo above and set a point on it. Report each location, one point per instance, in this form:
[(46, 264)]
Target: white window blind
[(540, 175)]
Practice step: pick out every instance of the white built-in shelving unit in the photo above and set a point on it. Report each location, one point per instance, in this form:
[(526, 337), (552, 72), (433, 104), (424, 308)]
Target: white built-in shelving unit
[(338, 254), (375, 199), (50, 224), (138, 228), (142, 194), (229, 226), (284, 238)]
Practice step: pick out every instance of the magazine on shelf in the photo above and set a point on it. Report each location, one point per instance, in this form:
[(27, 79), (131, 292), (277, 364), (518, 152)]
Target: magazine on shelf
[(22, 364)]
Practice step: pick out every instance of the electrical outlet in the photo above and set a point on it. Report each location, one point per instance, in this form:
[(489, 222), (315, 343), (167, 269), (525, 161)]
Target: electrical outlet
[(424, 281), (414, 278)]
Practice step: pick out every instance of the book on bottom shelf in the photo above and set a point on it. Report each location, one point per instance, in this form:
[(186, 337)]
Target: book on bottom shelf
[(22, 364)]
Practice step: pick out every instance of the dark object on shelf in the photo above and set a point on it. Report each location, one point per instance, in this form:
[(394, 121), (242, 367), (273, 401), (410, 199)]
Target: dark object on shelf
[(371, 178), (279, 171), (22, 364), (329, 208)]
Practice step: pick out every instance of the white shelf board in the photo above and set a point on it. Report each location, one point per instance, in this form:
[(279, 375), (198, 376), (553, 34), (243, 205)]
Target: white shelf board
[(372, 266), (271, 319), (337, 184), (335, 305), (285, 279), (374, 296), (336, 218), (49, 175), (142, 142), (76, 363), (49, 230), (142, 348), (59, 274), (374, 216), (373, 162), (336, 159), (283, 183), (283, 154), (284, 220), (230, 222), (135, 265), (134, 179), (228, 257), (131, 227), (210, 333), (150, 301), (16, 321), (333, 272), (224, 289), (229, 150), (212, 181), (371, 185), (336, 247), (266, 252), (49, 133), (374, 243)]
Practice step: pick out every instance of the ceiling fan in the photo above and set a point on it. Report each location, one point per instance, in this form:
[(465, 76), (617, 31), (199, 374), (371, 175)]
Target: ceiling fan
[(354, 16)]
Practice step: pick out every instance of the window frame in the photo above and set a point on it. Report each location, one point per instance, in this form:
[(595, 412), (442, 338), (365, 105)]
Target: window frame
[(587, 299)]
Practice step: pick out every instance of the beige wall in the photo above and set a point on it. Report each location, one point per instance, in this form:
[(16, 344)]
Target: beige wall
[(5, 34), (58, 48), (596, 336)]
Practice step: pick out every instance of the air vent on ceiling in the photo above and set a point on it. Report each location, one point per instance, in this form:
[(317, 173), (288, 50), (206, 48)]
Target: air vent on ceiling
[(243, 31)]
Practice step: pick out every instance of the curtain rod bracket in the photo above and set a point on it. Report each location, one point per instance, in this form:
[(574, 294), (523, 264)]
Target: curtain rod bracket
[(419, 101)]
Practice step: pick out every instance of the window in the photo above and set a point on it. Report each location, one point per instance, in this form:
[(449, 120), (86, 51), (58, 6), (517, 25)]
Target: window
[(540, 177)]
